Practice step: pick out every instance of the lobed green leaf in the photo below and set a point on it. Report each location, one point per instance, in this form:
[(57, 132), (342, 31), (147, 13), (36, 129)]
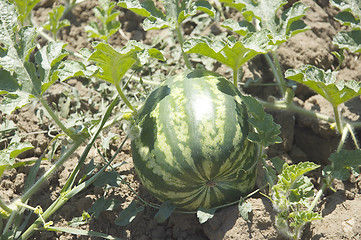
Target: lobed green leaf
[(350, 40), (114, 64), (55, 23), (325, 84), (231, 53), (293, 188), (176, 12), (266, 130), (349, 16), (242, 27), (343, 164), (280, 27)]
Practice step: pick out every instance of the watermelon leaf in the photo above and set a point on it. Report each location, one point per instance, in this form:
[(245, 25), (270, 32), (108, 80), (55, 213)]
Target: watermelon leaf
[(128, 214), (174, 15), (343, 163), (349, 16), (205, 214), (55, 21), (108, 23), (103, 204), (114, 64), (325, 84), (8, 155), (266, 130), (244, 208), (231, 52), (166, 209), (281, 27)]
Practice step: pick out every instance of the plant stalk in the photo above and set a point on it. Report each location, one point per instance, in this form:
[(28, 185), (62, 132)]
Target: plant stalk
[(64, 197), (5, 208), (338, 119), (235, 77), (277, 72), (66, 130), (51, 170), (294, 108), (69, 183), (181, 41), (124, 98)]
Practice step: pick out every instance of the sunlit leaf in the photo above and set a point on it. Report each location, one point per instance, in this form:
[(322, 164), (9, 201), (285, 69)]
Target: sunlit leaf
[(281, 27), (231, 53), (325, 83)]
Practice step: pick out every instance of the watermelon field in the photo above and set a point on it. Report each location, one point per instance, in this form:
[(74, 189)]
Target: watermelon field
[(180, 119)]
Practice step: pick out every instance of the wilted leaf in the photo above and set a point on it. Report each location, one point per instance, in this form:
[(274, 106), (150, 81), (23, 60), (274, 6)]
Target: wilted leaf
[(325, 84), (127, 215), (244, 208), (205, 214), (166, 209), (103, 204)]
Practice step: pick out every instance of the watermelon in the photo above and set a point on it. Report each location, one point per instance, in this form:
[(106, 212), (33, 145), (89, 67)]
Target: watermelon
[(191, 148)]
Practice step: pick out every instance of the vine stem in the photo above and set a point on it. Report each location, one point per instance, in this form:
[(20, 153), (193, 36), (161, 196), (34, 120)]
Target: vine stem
[(277, 72), (181, 40), (294, 108), (4, 207), (338, 119), (124, 98), (56, 119), (51, 170), (235, 77)]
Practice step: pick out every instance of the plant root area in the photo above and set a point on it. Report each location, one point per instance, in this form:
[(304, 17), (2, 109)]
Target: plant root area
[(304, 139)]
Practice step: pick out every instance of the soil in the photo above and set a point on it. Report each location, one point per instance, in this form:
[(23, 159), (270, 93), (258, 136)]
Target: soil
[(304, 139)]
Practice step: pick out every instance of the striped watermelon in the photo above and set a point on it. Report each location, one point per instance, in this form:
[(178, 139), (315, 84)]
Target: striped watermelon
[(192, 147)]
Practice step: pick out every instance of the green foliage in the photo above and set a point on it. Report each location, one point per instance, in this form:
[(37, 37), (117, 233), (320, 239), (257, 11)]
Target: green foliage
[(349, 16), (174, 15), (24, 8), (114, 64), (267, 130), (325, 83), (292, 196), (103, 204), (232, 53), (8, 155), (343, 163), (55, 21), (280, 27), (108, 23)]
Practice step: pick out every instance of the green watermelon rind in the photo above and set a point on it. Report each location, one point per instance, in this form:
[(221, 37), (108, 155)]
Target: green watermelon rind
[(192, 148)]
